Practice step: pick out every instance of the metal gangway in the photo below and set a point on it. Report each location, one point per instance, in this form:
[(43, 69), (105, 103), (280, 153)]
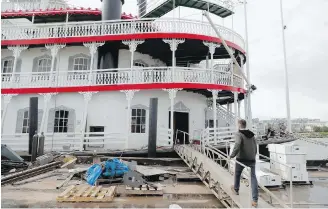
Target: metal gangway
[(209, 164)]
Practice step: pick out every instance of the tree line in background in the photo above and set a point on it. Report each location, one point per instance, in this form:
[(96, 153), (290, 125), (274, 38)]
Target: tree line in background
[(320, 129)]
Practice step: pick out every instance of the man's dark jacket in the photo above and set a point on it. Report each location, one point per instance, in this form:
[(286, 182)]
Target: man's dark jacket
[(245, 146)]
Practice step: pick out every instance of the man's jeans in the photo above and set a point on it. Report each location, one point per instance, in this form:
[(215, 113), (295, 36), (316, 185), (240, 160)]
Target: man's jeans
[(238, 170)]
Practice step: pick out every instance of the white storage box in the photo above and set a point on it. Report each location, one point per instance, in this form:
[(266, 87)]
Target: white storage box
[(287, 148), (260, 165), (295, 167), (268, 179), (291, 159), (297, 176)]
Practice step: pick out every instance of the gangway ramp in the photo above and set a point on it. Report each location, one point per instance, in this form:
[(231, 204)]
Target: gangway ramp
[(158, 8), (208, 167)]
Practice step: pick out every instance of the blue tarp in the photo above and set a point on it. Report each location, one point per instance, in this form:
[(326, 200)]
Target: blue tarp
[(110, 168)]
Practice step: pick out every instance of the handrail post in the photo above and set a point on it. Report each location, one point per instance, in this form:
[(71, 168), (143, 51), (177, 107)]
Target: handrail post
[(291, 187), (250, 186)]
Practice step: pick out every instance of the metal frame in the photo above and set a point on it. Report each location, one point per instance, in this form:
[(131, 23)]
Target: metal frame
[(194, 155)]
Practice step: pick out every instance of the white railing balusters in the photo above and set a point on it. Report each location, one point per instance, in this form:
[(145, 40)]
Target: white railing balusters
[(108, 77), (117, 27)]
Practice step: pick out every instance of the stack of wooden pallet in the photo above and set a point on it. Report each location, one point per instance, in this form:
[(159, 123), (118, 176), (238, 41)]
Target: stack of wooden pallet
[(86, 193)]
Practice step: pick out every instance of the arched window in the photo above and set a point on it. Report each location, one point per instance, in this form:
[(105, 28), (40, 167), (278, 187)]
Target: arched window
[(7, 66), (44, 65), (61, 121), (81, 63), (25, 126), (139, 64), (22, 122), (138, 120)]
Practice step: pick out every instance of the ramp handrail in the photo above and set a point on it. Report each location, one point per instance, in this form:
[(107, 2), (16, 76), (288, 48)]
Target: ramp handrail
[(290, 175), (184, 135), (268, 192)]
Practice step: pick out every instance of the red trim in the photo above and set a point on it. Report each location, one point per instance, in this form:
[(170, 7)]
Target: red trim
[(121, 87), (118, 37), (62, 11)]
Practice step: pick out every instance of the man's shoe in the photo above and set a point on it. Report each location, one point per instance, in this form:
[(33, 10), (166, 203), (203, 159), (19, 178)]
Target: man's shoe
[(234, 191), (254, 204)]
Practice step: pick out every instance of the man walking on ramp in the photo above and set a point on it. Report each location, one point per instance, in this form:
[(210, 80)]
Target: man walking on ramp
[(245, 149)]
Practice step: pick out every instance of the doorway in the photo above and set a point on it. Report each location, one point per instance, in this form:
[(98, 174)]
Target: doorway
[(181, 123)]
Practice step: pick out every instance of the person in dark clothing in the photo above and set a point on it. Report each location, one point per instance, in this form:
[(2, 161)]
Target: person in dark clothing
[(245, 151)]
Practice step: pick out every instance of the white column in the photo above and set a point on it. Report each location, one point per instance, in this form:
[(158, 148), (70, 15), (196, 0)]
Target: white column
[(6, 100), (211, 47), (246, 106), (54, 49), (249, 109), (17, 50), (92, 46), (172, 95), (214, 97), (133, 44), (46, 100), (235, 94), (242, 67), (87, 97), (239, 103), (129, 94), (173, 46)]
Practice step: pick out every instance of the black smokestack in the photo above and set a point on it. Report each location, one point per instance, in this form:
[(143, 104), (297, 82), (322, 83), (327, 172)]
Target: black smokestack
[(108, 54)]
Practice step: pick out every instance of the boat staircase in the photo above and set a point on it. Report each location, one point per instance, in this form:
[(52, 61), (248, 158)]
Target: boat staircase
[(158, 8), (210, 165)]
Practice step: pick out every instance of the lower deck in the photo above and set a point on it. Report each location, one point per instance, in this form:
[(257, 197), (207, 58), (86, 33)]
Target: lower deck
[(109, 121)]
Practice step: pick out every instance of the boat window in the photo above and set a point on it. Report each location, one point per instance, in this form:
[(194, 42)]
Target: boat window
[(138, 121)]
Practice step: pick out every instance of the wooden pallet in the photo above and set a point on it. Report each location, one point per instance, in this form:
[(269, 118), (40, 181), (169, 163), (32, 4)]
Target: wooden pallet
[(144, 190), (86, 193)]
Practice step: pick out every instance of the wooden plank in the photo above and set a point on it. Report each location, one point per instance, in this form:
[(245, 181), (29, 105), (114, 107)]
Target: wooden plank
[(69, 163), (81, 191), (96, 191), (88, 192), (64, 193)]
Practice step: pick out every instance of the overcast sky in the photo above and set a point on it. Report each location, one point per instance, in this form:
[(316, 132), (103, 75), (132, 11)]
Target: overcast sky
[(306, 41)]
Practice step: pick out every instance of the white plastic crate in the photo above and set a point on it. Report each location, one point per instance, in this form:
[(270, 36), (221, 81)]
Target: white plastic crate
[(291, 159), (295, 167), (287, 148), (297, 176)]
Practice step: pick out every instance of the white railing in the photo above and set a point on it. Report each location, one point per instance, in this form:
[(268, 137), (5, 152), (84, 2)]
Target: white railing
[(184, 137), (117, 27), (164, 137), (212, 136), (150, 5), (115, 77), (73, 141), (32, 5)]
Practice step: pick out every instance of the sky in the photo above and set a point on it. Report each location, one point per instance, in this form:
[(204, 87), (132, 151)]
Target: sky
[(307, 61)]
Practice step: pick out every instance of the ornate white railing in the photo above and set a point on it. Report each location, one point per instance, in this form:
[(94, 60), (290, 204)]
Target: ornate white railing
[(118, 27), (73, 141), (215, 136), (32, 5), (116, 77)]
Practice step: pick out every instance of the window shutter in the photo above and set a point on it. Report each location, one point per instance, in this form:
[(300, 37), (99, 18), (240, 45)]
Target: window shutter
[(19, 121), (2, 62), (35, 64), (55, 65), (70, 63), (40, 114), (89, 62), (19, 66), (71, 121), (51, 120)]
